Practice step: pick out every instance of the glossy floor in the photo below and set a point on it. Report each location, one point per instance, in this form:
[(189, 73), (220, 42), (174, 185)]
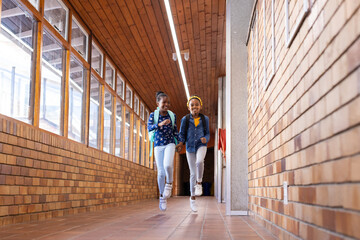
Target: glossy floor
[(144, 220)]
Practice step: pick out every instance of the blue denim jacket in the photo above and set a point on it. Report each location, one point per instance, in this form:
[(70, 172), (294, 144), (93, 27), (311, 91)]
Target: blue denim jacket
[(194, 134)]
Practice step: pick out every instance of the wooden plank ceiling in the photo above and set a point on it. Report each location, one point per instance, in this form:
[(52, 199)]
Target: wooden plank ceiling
[(137, 36)]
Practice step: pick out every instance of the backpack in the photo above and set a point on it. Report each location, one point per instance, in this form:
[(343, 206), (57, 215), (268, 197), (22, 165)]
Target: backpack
[(156, 119), (187, 124)]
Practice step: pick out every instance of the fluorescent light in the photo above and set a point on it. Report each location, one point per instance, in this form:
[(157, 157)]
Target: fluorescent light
[(176, 44)]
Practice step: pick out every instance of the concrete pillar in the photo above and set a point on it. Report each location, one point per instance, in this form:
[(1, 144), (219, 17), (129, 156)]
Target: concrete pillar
[(237, 23)]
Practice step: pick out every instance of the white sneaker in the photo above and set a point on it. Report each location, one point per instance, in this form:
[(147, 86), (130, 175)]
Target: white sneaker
[(162, 203), (198, 190), (193, 205), (167, 190)]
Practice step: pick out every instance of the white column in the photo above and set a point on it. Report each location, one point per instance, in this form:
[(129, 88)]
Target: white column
[(237, 21)]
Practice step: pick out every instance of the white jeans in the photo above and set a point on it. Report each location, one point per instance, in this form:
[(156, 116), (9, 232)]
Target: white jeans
[(164, 157), (196, 166)]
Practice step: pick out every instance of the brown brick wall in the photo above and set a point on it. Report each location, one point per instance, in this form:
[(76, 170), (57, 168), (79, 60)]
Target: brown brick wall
[(43, 175), (306, 129)]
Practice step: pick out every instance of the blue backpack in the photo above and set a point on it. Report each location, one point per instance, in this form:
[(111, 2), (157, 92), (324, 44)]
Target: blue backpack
[(156, 119)]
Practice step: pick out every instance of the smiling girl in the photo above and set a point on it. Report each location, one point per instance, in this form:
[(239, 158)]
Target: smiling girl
[(194, 131), (162, 122)]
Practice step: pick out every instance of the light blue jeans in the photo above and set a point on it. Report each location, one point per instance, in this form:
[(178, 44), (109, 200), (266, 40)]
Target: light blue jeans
[(196, 165), (164, 158)]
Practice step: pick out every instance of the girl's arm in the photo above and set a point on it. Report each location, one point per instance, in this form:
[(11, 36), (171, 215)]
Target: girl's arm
[(182, 130), (207, 136), (175, 131), (151, 125)]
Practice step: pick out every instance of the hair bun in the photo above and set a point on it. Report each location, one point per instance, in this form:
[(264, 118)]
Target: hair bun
[(158, 93)]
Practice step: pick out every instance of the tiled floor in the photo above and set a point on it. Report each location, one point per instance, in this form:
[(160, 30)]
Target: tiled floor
[(144, 221)]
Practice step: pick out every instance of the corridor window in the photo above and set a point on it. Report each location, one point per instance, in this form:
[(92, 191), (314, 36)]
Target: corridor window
[(51, 84), (76, 100), (110, 75), (141, 140), (146, 116), (129, 96), (108, 99), (94, 112), (79, 39), (142, 111), (35, 3), (16, 61), (135, 131), (119, 129), (120, 88), (97, 59), (254, 64), (127, 134), (56, 13), (136, 104), (295, 13), (146, 161)]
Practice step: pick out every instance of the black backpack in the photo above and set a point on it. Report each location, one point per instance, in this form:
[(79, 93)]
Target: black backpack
[(187, 124)]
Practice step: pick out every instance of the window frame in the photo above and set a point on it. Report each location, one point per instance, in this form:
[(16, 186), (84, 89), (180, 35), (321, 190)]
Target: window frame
[(255, 35), (67, 9), (111, 65), (119, 77), (131, 98), (136, 104), (101, 74), (86, 58), (290, 34)]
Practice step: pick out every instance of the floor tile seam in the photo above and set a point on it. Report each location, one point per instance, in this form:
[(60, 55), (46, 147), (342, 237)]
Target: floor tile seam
[(253, 229), (172, 233), (203, 222), (150, 213), (109, 223), (224, 222)]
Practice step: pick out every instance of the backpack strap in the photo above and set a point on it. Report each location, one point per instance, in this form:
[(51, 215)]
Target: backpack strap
[(203, 122), (172, 118), (156, 116), (187, 125), (152, 133)]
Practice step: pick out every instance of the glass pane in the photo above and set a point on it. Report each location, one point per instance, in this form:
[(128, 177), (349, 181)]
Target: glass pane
[(56, 13), (142, 111), (134, 139), (16, 55), (146, 116), (120, 87), (94, 112), (110, 75), (79, 39), (136, 104), (145, 149), (76, 99), (35, 3), (140, 143), (127, 134), (119, 130), (128, 96), (107, 121), (51, 82), (96, 59)]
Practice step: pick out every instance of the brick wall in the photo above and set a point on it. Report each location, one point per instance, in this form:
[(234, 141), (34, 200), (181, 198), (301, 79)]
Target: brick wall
[(306, 129), (43, 175)]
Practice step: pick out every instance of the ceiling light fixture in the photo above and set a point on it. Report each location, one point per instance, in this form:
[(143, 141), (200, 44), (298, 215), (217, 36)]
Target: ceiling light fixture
[(177, 48)]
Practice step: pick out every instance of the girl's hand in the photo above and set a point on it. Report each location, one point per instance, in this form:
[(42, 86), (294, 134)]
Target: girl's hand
[(165, 122), (203, 140), (179, 147)]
